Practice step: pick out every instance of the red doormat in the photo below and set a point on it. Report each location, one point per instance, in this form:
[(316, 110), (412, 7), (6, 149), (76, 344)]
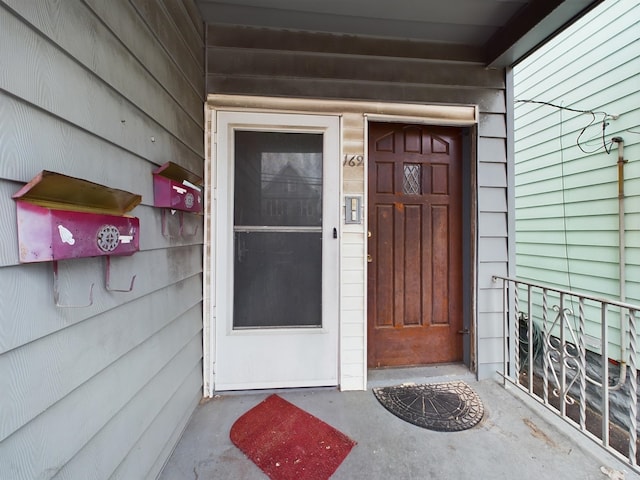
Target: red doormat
[(288, 443)]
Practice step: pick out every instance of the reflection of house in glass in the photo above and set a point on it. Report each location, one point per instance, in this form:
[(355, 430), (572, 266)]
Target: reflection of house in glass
[(291, 198)]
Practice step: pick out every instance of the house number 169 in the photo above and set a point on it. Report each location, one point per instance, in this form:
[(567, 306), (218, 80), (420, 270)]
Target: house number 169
[(353, 160)]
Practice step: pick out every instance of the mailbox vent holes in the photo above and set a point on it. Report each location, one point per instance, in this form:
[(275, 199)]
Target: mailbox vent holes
[(108, 238), (188, 200)]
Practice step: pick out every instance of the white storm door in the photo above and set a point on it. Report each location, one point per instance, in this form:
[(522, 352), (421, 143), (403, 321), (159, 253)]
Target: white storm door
[(277, 178)]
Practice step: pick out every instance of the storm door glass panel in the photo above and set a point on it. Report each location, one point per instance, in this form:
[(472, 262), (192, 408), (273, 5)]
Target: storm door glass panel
[(277, 230)]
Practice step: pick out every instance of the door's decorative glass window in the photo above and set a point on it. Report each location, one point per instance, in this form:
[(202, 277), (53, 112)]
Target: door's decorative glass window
[(411, 183)]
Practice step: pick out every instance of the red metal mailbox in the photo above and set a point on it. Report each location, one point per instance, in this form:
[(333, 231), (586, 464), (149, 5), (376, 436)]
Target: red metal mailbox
[(61, 217), (177, 188)]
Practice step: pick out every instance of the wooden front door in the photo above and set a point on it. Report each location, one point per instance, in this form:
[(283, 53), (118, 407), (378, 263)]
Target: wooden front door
[(415, 247)]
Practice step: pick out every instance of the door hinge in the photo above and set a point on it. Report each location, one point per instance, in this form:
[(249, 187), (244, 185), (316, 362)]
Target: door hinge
[(464, 332)]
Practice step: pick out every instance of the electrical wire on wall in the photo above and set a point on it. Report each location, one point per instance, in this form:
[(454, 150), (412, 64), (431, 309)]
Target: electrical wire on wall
[(594, 117), (605, 145), (564, 205)]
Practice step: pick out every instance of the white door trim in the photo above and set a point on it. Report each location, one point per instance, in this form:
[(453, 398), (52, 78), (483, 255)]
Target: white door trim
[(233, 347)]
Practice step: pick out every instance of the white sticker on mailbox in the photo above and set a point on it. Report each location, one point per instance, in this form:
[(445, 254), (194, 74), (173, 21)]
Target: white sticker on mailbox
[(65, 235)]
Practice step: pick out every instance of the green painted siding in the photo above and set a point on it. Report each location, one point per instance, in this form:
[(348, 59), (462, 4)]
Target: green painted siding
[(567, 198)]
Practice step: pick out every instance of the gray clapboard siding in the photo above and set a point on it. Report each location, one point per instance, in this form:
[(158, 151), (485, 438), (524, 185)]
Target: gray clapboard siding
[(485, 271), (174, 437), (113, 57), (89, 348), (155, 269), (107, 457), (489, 100), (193, 36), (492, 224), (492, 149), (194, 13), (489, 302), (120, 17), (492, 199), (234, 61), (249, 37), (489, 354), (492, 174), (491, 249), (249, 61), (93, 90), (491, 324), (74, 421), (136, 464), (50, 143), (492, 125), (190, 58), (8, 233), (54, 82)]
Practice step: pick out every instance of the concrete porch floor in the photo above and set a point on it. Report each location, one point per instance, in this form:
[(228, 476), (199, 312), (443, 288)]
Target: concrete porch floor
[(517, 439)]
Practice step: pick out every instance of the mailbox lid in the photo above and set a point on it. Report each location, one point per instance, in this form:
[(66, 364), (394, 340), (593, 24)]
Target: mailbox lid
[(57, 191), (177, 173)]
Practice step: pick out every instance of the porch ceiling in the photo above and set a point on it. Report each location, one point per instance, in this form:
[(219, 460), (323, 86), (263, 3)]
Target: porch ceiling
[(497, 33)]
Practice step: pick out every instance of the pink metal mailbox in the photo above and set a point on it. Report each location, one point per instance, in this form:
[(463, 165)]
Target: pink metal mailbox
[(177, 188), (61, 217)]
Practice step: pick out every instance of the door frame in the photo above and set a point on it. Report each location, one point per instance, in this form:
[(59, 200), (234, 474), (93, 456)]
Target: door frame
[(324, 341), (469, 192), (354, 132)]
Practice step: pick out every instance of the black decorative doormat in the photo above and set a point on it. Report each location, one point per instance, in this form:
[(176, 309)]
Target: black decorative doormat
[(444, 407)]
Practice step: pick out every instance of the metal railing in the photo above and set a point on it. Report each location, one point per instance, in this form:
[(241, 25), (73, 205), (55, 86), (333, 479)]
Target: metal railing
[(546, 356)]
